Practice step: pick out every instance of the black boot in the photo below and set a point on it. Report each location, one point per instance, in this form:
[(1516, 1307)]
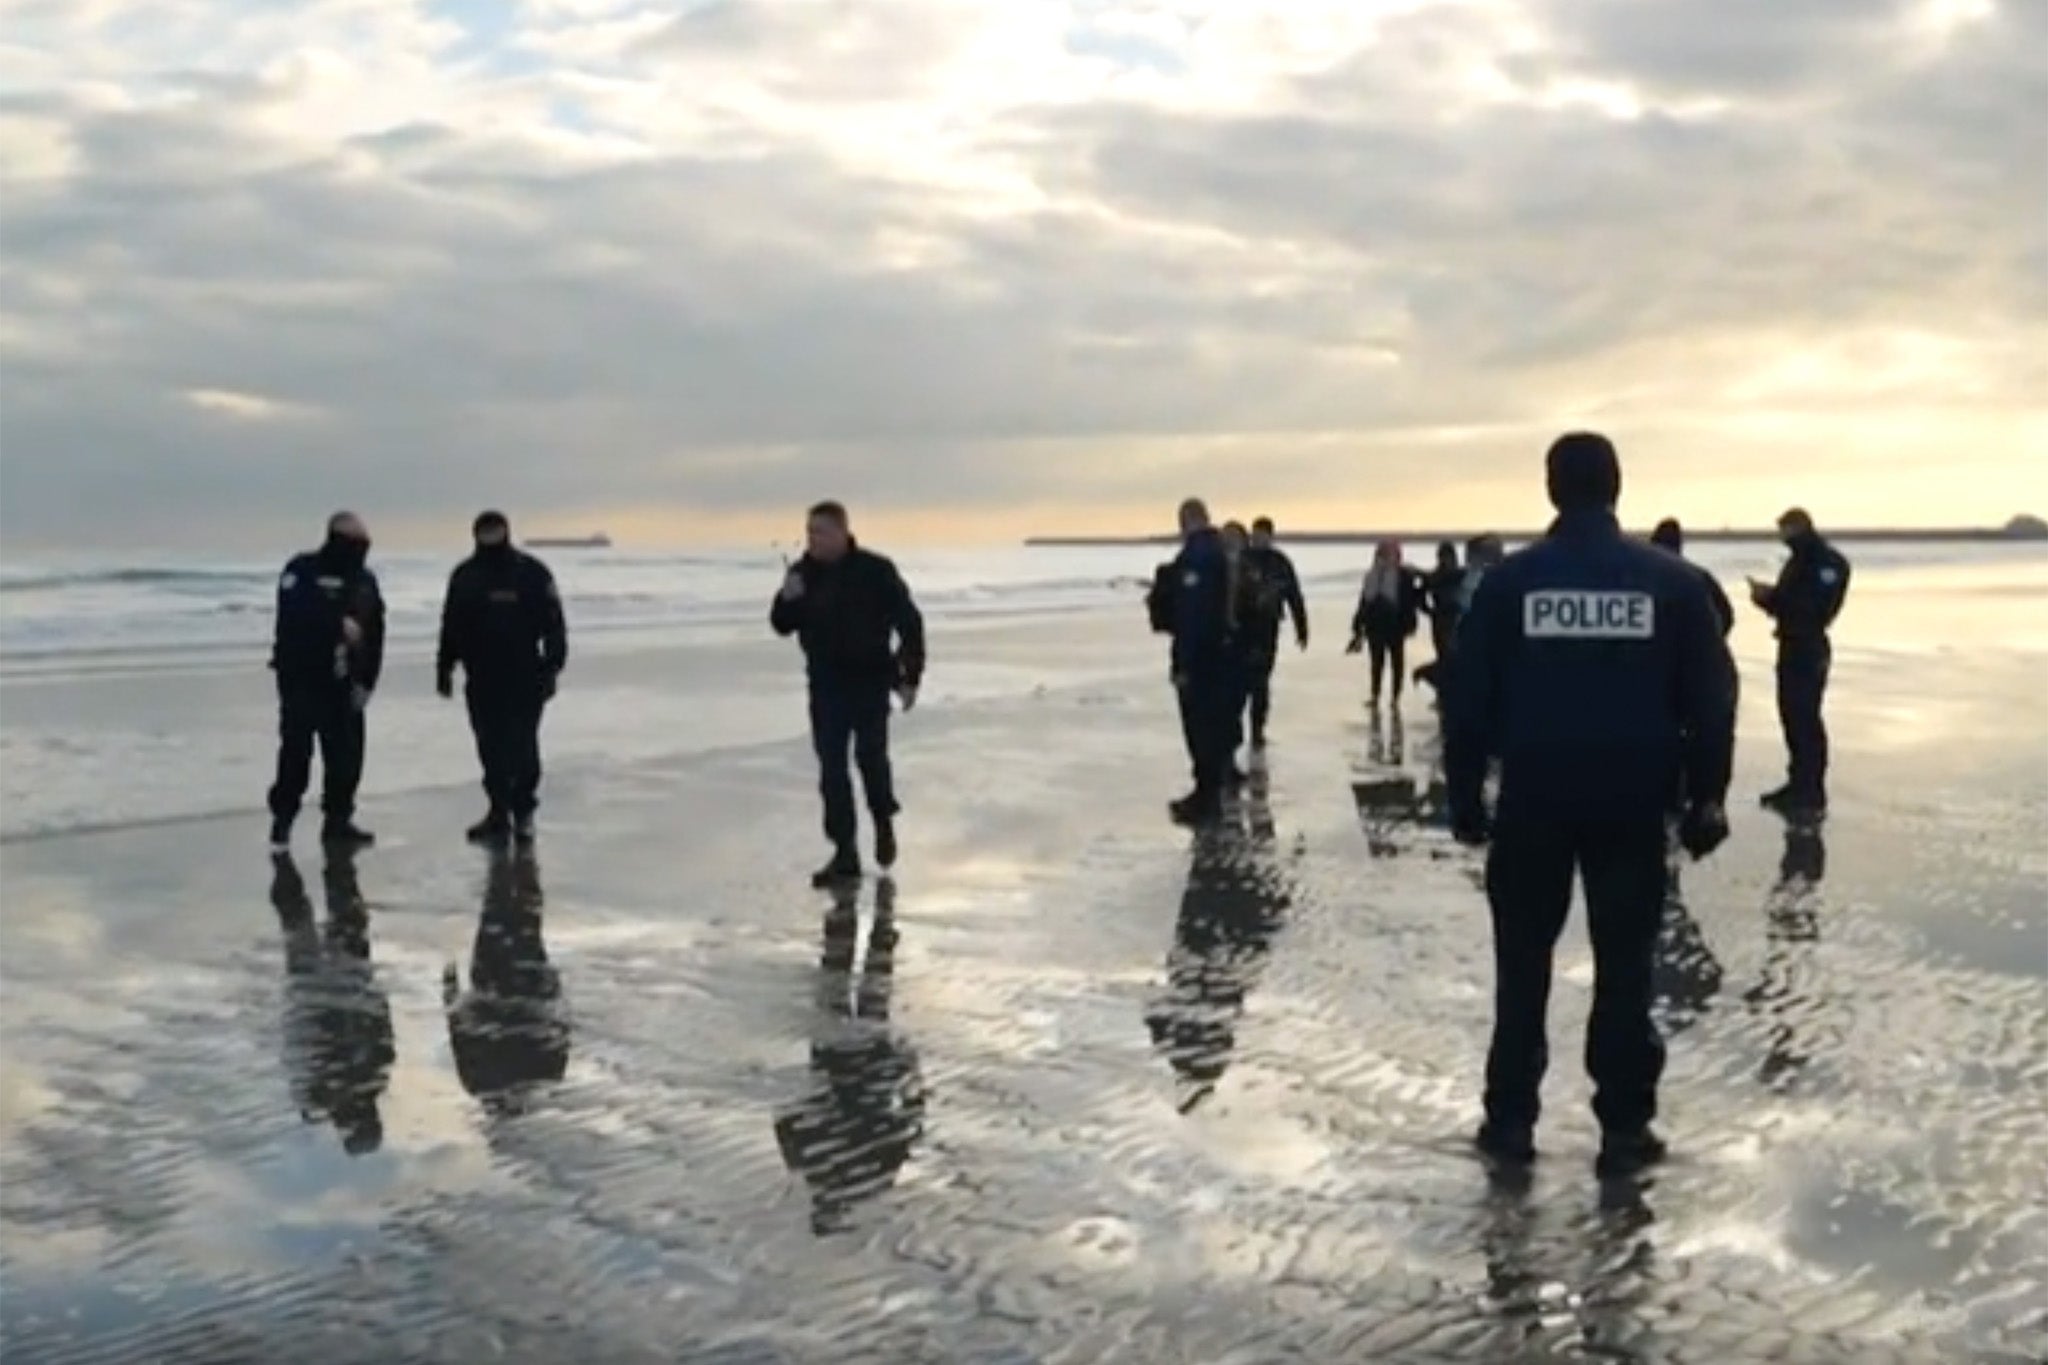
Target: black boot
[(491, 829), (844, 867), (1509, 1144), (1198, 807), (345, 834), (1624, 1152), (885, 843), (523, 831), (280, 835)]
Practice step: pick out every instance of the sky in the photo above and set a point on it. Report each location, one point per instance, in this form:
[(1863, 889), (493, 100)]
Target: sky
[(983, 268)]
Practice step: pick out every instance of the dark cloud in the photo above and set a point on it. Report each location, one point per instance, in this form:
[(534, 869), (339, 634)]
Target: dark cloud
[(1070, 287)]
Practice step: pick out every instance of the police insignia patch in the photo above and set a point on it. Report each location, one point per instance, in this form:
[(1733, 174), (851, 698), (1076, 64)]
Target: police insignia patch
[(1569, 614)]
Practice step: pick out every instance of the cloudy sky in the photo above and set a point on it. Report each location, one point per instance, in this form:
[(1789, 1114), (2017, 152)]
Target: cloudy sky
[(989, 266)]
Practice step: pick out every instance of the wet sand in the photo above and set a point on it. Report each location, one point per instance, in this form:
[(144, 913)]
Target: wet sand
[(1077, 1088)]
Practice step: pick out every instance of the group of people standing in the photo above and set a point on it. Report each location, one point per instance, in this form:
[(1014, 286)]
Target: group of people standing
[(1586, 681), (502, 625)]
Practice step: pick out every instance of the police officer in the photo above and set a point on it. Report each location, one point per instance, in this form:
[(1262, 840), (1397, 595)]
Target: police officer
[(1204, 674), (502, 622), (1670, 538), (328, 652), (863, 638), (1805, 601), (1592, 668), (1270, 593)]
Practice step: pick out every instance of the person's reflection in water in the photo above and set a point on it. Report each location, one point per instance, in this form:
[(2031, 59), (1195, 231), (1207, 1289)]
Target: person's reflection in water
[(1790, 937), (1579, 1291), (864, 1113), (509, 1032), (338, 1039), (1233, 904), (1687, 974)]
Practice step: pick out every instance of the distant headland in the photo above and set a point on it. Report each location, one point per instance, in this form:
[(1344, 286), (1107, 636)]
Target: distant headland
[(2023, 527), (596, 540)]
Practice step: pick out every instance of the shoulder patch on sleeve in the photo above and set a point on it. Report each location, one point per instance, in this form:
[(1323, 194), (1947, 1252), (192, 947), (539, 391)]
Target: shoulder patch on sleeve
[(289, 581), (1831, 576)]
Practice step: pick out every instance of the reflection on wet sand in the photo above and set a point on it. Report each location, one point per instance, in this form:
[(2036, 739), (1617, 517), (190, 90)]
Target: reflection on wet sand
[(337, 1028), (509, 1032), (1234, 901), (1580, 1290), (1686, 975), (856, 1127), (1784, 990)]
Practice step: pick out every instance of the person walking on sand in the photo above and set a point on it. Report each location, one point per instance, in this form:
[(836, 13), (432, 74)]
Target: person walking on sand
[(502, 622), (1389, 611), (1592, 668), (1805, 601), (1198, 605), (1269, 591), (327, 653), (863, 639)]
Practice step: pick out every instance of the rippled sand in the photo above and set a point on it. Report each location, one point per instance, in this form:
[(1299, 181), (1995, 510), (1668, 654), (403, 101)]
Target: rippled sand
[(1077, 1088)]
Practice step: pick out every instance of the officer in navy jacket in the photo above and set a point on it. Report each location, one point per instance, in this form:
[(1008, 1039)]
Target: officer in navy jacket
[(1804, 602), (1592, 669), (328, 654), (1204, 669)]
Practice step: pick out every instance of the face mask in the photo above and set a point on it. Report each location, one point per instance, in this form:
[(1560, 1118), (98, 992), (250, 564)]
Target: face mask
[(346, 553)]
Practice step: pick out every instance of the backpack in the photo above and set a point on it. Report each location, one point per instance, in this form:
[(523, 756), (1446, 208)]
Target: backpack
[(1161, 599)]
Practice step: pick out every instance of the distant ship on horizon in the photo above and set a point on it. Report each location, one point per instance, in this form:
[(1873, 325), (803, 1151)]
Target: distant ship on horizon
[(596, 540)]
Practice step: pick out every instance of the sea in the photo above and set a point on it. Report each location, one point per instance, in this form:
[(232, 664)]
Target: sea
[(134, 690)]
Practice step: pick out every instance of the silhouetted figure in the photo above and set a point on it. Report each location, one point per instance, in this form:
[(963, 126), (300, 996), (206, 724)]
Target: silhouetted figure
[(509, 1032), (1687, 975), (1234, 902), (856, 1128), (1804, 603), (338, 1039), (1791, 934)]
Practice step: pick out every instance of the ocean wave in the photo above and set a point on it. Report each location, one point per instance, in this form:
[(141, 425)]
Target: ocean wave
[(40, 580)]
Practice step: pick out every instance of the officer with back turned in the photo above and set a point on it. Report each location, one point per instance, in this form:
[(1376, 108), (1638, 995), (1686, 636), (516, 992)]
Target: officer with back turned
[(502, 622), (1592, 668), (1804, 601), (328, 654)]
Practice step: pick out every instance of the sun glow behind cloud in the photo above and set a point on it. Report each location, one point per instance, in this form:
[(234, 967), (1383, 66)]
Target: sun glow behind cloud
[(991, 268)]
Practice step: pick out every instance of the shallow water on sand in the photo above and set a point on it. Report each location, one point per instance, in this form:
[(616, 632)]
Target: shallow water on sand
[(1076, 1088)]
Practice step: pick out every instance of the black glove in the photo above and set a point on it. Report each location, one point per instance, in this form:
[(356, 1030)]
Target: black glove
[(444, 684), (1470, 825), (547, 685), (1703, 828)]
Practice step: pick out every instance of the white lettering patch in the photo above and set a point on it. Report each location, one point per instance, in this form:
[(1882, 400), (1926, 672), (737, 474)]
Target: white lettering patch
[(1191, 579), (1565, 614)]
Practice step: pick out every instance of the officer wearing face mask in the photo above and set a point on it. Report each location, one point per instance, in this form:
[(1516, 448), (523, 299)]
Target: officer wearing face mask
[(1592, 668), (328, 652), (502, 622)]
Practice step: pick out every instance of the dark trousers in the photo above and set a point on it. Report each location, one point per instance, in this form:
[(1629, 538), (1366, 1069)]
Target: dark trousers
[(854, 716), (1259, 694), (1387, 649), (323, 712), (1210, 702), (1802, 686), (506, 724), (1529, 886)]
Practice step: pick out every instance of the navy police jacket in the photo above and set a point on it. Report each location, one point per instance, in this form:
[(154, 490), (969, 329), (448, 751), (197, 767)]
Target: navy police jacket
[(314, 595), (1809, 592), (1201, 604), (502, 621), (1592, 667)]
